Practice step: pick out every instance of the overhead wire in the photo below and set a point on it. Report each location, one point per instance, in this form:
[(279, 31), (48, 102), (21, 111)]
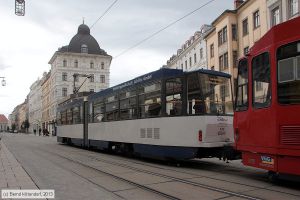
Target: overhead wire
[(106, 11), (162, 29)]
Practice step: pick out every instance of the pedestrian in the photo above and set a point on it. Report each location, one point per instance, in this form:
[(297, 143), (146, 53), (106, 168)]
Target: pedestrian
[(34, 131), (40, 130)]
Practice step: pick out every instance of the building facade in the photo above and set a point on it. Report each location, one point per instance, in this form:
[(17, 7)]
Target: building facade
[(3, 123), (279, 11), (23, 115), (45, 86), (192, 54), (35, 104), (83, 56)]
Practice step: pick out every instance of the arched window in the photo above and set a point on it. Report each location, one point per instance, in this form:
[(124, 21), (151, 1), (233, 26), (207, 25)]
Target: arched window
[(91, 64), (76, 64), (84, 48), (64, 63)]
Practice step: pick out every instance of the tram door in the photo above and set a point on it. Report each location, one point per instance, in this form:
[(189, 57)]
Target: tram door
[(85, 124)]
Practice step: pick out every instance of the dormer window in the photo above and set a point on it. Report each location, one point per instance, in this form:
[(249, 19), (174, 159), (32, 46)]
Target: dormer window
[(84, 48)]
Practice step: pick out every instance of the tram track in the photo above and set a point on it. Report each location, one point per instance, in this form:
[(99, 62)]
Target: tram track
[(137, 185), (178, 171), (220, 190)]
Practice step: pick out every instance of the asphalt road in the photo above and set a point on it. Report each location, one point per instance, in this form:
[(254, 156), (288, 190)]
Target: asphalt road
[(75, 174)]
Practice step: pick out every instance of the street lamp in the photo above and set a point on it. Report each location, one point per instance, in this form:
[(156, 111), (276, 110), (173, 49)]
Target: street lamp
[(3, 82), (20, 7)]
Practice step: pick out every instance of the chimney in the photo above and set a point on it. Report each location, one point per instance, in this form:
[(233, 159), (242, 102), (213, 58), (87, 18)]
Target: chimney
[(237, 3)]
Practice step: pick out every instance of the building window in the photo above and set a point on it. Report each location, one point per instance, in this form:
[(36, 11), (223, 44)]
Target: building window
[(293, 8), (245, 27), (76, 78), (222, 36), (102, 78), (64, 92), (256, 20), (102, 65), (201, 53), (84, 48), (64, 76), (190, 61), (64, 63), (92, 90), (186, 64), (234, 32), (92, 79), (91, 65), (223, 62), (76, 64), (235, 58), (275, 16), (212, 50), (246, 50), (195, 58)]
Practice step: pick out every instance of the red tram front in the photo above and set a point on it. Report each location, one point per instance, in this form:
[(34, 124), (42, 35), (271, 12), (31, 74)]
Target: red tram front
[(267, 108)]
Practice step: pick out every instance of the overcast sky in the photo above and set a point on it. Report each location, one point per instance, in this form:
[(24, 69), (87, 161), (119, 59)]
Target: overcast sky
[(27, 43)]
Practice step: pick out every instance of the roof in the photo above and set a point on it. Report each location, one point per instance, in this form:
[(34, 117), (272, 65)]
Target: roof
[(83, 37), (3, 119)]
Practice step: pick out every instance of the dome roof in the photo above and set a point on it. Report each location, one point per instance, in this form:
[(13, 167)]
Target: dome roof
[(85, 40)]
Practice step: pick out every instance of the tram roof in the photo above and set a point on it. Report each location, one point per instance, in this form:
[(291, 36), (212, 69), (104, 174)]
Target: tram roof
[(72, 102), (210, 72), (158, 74)]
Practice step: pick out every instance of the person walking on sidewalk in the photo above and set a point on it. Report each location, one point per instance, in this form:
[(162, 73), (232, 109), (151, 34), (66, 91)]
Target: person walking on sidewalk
[(40, 130), (34, 131)]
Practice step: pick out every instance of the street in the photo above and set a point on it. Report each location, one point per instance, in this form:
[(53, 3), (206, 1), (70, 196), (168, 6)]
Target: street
[(76, 173)]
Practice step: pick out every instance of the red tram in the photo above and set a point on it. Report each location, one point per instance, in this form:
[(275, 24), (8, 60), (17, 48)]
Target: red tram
[(267, 107)]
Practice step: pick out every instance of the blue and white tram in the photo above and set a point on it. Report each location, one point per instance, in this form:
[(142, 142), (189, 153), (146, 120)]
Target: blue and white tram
[(165, 114)]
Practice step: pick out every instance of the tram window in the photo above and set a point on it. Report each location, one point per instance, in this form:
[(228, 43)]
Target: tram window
[(261, 77), (98, 112), (69, 116), (150, 101), (64, 117), (112, 108), (58, 114), (76, 115), (288, 70), (128, 105), (174, 96), (242, 86)]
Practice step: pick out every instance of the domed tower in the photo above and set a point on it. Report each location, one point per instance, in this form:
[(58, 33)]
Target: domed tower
[(82, 56), (84, 42)]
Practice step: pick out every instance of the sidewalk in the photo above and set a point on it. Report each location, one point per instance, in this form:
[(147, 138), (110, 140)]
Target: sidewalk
[(12, 174)]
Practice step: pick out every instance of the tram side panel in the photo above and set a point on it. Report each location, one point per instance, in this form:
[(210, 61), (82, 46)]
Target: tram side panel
[(166, 137), (71, 134)]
